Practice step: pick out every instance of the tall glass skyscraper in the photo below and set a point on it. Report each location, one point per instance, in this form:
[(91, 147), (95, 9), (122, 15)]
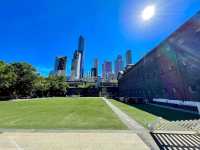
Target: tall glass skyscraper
[(77, 68)]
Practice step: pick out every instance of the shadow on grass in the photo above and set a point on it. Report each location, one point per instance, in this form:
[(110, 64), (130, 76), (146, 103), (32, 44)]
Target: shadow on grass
[(168, 114)]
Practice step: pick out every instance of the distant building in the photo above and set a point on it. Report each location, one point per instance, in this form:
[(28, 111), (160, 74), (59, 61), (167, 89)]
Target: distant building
[(77, 67), (170, 73), (128, 57), (96, 64), (94, 73), (107, 70), (103, 71), (119, 65), (60, 66)]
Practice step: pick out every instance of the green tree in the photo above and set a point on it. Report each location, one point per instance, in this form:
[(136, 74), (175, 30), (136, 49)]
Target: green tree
[(40, 87), (7, 79), (25, 76), (57, 86)]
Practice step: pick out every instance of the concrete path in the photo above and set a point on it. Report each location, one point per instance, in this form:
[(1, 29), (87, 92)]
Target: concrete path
[(133, 125), (71, 141)]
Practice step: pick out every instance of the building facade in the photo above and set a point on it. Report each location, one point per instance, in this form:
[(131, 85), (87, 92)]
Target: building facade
[(96, 65), (128, 57), (94, 75), (170, 71), (119, 65), (107, 73), (60, 66), (77, 67)]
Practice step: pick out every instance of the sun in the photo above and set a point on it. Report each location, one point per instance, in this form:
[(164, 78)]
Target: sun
[(148, 12)]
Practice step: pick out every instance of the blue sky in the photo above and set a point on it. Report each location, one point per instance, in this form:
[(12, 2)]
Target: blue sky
[(36, 31)]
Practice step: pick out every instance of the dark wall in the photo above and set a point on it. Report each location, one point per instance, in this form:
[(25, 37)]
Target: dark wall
[(171, 70)]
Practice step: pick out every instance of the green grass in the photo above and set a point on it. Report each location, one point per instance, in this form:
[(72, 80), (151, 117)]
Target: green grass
[(58, 113), (146, 114), (142, 117)]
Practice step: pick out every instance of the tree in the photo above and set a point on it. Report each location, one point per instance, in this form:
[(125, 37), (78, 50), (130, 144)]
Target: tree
[(7, 79), (57, 86), (40, 87), (25, 76)]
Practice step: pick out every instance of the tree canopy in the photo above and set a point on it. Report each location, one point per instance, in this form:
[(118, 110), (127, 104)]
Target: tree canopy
[(21, 80)]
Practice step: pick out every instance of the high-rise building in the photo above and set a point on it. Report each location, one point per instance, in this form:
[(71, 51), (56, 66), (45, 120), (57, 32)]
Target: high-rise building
[(77, 68), (119, 65), (94, 73), (60, 66), (103, 71), (96, 63), (107, 70), (128, 57)]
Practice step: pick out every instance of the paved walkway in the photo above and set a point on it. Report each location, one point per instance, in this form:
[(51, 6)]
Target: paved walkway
[(133, 125), (71, 141)]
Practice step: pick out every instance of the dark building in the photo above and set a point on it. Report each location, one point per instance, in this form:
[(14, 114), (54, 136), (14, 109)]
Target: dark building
[(128, 57), (96, 65), (60, 66), (170, 71), (94, 73)]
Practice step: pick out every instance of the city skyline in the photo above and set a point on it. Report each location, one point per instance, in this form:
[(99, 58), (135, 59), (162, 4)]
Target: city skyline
[(46, 33), (77, 65)]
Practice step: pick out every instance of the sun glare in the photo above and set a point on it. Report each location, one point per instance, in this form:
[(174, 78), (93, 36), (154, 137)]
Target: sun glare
[(148, 12)]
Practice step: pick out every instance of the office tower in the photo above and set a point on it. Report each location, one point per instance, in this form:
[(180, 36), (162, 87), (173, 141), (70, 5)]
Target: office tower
[(107, 70), (103, 71), (128, 57), (94, 73), (118, 65), (96, 63), (60, 66), (77, 69)]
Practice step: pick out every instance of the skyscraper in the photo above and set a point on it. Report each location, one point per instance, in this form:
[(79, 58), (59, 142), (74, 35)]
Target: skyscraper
[(77, 69), (128, 57), (107, 70), (96, 63), (94, 73), (118, 65), (60, 66), (103, 71)]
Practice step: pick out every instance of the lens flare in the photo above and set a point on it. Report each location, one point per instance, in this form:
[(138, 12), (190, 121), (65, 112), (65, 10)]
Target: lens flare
[(148, 12)]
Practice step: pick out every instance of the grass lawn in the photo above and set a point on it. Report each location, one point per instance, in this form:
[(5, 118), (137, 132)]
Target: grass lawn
[(146, 114), (142, 117), (58, 113)]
